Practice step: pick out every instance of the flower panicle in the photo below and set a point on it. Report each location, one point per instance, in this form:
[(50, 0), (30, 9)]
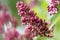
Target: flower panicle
[(52, 7), (36, 26)]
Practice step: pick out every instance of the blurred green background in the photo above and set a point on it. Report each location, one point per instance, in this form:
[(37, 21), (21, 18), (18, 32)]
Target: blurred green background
[(40, 8)]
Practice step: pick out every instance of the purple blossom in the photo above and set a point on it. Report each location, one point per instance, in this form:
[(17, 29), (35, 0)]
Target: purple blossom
[(36, 26), (52, 7), (5, 17)]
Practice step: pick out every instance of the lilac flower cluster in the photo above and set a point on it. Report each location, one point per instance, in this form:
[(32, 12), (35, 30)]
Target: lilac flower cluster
[(5, 17), (36, 26), (10, 33), (52, 8)]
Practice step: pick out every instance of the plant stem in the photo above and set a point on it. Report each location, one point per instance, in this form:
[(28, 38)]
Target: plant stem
[(52, 25)]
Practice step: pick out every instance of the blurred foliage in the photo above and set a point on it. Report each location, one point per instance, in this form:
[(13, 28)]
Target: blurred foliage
[(41, 10), (12, 6)]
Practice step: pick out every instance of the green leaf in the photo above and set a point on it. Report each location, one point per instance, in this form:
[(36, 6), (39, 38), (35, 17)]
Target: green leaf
[(41, 10), (39, 13), (13, 9)]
